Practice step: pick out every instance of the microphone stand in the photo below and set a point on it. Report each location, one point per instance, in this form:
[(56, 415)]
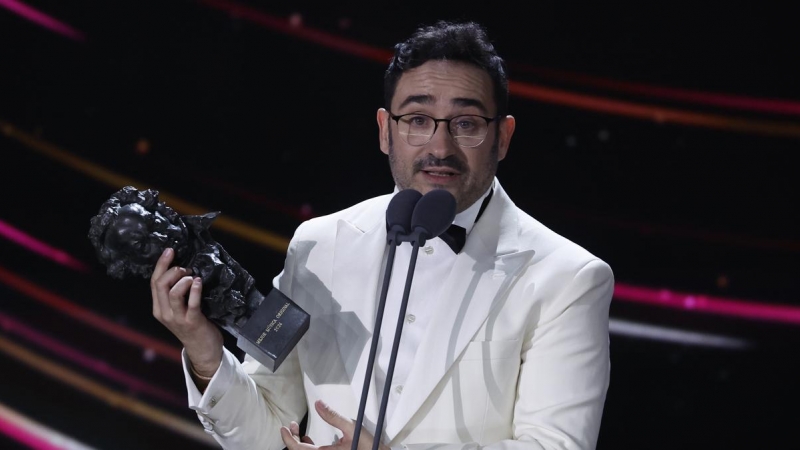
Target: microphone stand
[(394, 241), (426, 221), (417, 240)]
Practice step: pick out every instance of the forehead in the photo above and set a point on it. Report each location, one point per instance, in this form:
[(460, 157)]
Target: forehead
[(445, 84)]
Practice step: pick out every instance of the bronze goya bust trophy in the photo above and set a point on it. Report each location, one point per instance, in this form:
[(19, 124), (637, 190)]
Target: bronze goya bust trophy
[(132, 229)]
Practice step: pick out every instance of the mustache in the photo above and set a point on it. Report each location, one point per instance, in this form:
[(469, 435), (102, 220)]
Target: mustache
[(432, 161)]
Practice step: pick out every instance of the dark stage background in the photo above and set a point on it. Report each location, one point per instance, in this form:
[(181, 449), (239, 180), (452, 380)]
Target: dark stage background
[(659, 136)]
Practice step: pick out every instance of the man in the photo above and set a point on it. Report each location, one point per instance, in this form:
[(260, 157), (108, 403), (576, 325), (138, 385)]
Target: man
[(505, 343)]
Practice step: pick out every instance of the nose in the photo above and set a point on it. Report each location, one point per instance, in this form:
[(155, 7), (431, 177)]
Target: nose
[(442, 144)]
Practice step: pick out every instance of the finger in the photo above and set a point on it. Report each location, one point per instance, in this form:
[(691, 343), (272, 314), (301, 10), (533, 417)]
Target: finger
[(177, 296), (161, 290), (294, 428), (163, 263), (193, 310), (333, 418), (289, 439), (161, 266)]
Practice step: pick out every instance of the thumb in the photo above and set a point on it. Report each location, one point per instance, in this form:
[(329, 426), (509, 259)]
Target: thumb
[(333, 418)]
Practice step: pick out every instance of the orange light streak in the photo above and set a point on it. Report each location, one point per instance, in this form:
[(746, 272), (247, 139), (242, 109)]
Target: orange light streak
[(117, 181), (658, 114), (87, 316), (741, 102), (192, 430), (16, 327)]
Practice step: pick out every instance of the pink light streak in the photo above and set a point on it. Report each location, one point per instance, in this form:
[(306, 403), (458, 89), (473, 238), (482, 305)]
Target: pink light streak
[(299, 30), (649, 228), (25, 240), (11, 325), (746, 309), (42, 19), (24, 437), (88, 317), (33, 434)]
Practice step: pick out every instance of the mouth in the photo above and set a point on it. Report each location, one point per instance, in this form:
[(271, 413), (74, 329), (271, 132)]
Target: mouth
[(440, 176), (440, 172)]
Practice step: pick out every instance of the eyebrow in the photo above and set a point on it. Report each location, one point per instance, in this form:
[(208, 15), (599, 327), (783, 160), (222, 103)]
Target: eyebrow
[(425, 99)]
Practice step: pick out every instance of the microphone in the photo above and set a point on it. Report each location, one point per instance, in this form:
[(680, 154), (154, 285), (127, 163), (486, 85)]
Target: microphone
[(398, 214), (432, 215), (398, 224)]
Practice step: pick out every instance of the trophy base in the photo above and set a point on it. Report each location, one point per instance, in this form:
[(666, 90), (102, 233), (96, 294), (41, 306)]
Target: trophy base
[(273, 330)]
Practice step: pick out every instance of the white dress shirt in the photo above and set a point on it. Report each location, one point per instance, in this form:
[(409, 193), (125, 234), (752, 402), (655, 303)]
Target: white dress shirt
[(434, 262)]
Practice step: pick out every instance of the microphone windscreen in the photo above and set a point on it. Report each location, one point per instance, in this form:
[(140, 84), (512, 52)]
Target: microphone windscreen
[(401, 206), (434, 213)]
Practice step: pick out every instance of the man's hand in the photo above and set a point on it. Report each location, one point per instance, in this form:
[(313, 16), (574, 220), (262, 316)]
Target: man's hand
[(293, 440), (201, 338)]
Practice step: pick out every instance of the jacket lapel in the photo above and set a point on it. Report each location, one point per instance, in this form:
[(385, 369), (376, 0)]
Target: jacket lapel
[(357, 269)]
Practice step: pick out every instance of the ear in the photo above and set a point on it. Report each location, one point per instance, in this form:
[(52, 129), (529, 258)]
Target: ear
[(383, 129), (507, 126)]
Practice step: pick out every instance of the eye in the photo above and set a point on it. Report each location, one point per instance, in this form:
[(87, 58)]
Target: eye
[(466, 122), (418, 120)]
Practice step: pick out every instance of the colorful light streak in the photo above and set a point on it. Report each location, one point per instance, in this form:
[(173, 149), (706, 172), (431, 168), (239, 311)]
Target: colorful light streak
[(81, 314), (14, 326), (666, 334), (33, 434), (654, 113), (530, 91), (282, 25), (192, 430), (740, 102), (29, 242), (209, 179), (645, 229), (301, 213), (745, 309), (233, 226), (42, 19)]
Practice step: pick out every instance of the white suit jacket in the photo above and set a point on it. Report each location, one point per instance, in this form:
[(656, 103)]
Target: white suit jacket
[(515, 357)]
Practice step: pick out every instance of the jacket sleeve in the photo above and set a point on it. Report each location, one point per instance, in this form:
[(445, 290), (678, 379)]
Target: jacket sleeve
[(245, 404)]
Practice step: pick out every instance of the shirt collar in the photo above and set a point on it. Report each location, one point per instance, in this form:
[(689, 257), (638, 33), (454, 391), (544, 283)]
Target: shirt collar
[(467, 218)]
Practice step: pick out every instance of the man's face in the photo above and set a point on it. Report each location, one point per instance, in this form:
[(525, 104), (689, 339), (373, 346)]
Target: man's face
[(445, 89)]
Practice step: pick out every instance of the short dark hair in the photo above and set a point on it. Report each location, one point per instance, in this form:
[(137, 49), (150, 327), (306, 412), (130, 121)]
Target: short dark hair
[(448, 40)]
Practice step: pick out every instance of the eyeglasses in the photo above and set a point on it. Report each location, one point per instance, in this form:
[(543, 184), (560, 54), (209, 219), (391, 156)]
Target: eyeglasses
[(467, 130)]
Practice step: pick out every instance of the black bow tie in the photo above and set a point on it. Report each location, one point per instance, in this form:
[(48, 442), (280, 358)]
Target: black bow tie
[(455, 237)]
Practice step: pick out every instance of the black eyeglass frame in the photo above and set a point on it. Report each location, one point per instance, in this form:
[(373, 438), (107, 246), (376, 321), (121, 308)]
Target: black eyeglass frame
[(449, 131)]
